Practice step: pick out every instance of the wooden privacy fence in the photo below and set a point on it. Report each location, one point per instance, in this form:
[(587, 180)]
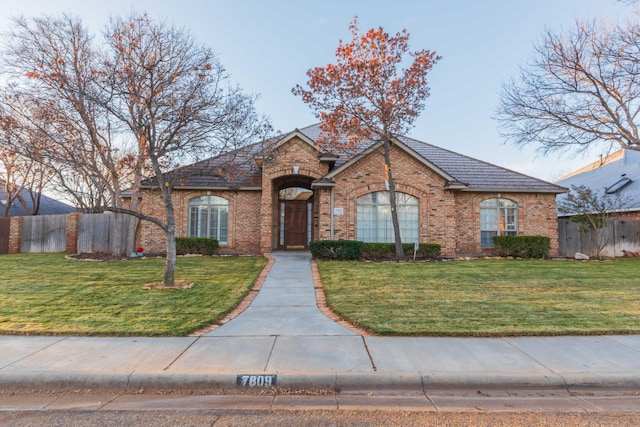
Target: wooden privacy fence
[(103, 232), (75, 232), (619, 234), (46, 233)]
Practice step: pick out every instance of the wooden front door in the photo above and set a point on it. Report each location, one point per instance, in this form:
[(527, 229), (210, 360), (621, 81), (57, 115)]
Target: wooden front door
[(295, 224)]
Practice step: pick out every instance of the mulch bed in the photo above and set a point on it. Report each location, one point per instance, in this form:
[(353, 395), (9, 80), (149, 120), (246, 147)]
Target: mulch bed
[(105, 256)]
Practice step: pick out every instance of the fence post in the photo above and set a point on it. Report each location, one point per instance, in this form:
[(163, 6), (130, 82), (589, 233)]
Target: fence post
[(15, 233), (71, 232)]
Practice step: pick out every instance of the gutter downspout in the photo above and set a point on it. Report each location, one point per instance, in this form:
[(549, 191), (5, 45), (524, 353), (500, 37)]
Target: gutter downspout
[(331, 213)]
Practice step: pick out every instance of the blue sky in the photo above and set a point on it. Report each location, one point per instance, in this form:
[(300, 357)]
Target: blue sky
[(267, 46)]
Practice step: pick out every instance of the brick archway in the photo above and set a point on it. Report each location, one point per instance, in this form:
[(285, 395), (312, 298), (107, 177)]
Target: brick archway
[(294, 206)]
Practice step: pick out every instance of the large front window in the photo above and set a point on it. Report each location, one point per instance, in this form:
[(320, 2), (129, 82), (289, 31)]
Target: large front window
[(498, 217), (208, 217), (374, 217)]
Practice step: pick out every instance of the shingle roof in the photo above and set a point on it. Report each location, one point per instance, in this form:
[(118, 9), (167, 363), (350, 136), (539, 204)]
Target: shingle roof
[(48, 206), (621, 169), (237, 170)]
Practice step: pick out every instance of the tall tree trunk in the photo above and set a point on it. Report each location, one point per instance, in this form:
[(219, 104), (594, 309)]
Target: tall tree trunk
[(170, 265), (392, 201)]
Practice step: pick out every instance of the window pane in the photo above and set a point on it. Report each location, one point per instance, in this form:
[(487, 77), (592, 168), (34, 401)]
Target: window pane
[(374, 222), (486, 238), (497, 217), (208, 217)]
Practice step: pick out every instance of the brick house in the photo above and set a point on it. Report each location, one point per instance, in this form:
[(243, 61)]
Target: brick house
[(259, 201)]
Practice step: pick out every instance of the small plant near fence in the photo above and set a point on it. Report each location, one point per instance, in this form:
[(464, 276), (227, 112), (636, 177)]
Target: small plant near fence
[(523, 246), (354, 250), (196, 245)]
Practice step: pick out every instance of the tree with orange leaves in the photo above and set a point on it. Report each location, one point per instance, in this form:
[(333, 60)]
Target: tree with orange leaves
[(367, 95)]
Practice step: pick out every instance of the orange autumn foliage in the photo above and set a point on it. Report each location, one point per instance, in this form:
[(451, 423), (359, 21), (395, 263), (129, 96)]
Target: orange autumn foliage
[(366, 93)]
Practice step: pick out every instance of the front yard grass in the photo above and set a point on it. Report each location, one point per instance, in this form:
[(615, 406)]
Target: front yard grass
[(486, 297), (46, 294)]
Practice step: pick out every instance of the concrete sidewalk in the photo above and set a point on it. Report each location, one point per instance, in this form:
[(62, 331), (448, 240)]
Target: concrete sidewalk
[(283, 339)]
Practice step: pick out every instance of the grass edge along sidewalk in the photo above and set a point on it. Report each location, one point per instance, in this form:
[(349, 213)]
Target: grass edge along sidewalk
[(497, 297), (47, 294)]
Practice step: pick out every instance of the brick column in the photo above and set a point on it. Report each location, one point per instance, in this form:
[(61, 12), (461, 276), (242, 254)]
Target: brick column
[(15, 234), (72, 232)]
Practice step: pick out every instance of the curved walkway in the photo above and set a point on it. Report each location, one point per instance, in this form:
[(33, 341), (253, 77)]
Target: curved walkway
[(285, 305)]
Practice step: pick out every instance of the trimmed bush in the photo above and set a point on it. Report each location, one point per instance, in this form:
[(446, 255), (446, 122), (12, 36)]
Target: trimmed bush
[(523, 246), (336, 249), (354, 250), (385, 251), (196, 245)]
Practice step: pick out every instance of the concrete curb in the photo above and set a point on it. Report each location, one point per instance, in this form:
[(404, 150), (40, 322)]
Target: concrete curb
[(339, 382)]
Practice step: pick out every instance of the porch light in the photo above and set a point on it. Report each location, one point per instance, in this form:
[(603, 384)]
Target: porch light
[(296, 169)]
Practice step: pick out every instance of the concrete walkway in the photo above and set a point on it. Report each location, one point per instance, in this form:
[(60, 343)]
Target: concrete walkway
[(283, 339), (286, 304)]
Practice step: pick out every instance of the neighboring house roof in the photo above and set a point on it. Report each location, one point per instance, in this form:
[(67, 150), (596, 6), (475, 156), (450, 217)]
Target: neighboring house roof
[(461, 172), (48, 206), (616, 175)]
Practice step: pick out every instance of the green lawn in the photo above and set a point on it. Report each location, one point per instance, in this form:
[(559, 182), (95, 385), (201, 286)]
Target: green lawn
[(487, 297), (48, 294)]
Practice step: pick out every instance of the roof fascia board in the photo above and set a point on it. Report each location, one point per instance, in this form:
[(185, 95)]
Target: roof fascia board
[(511, 190), (205, 188)]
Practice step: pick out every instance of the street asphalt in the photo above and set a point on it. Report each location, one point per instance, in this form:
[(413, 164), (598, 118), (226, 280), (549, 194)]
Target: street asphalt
[(283, 340)]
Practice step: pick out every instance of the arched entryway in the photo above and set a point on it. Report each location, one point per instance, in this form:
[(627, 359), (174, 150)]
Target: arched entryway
[(294, 207)]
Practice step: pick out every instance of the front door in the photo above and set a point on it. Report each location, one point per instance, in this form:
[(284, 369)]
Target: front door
[(294, 216)]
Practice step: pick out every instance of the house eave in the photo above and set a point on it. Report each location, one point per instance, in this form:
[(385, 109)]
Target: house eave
[(323, 184), (207, 188), (512, 190)]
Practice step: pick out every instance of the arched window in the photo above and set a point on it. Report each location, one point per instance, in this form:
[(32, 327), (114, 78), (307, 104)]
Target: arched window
[(498, 217), (208, 217), (374, 217)]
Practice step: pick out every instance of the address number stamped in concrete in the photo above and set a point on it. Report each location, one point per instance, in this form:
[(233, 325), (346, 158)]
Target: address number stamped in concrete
[(256, 381)]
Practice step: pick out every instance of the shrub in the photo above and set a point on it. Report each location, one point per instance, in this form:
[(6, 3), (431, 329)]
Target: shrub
[(336, 249), (196, 245), (523, 246), (382, 251)]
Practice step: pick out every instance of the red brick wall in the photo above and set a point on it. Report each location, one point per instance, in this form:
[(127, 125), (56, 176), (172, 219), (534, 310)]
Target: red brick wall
[(536, 216), (15, 234), (244, 210)]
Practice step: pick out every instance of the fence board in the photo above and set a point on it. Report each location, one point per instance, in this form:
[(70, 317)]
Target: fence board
[(43, 233), (99, 232)]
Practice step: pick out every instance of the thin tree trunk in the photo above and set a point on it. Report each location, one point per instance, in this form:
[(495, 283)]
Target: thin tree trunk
[(392, 202), (170, 265)]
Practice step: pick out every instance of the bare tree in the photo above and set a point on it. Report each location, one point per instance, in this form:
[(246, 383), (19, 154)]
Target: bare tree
[(56, 59), (174, 96), (581, 87), (23, 177)]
